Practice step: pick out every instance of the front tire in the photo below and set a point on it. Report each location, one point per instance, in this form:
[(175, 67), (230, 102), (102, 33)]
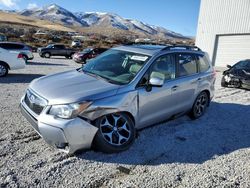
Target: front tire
[(116, 133), (200, 105), (46, 55), (3, 70)]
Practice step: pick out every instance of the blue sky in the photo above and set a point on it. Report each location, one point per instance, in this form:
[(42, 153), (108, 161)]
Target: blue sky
[(177, 15)]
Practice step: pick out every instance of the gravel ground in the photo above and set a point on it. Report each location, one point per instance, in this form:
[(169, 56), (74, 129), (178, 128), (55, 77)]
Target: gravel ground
[(213, 151)]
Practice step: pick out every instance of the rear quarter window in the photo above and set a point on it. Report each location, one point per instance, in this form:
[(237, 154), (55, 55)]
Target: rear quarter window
[(203, 63), (187, 64)]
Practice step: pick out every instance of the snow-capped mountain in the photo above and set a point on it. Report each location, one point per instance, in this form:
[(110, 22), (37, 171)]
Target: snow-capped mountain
[(56, 13)]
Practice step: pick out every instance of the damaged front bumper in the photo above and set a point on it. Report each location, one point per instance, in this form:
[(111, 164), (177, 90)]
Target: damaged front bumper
[(68, 135)]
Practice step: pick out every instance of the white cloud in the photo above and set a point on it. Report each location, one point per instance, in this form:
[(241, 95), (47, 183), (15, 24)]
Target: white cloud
[(8, 3), (32, 6)]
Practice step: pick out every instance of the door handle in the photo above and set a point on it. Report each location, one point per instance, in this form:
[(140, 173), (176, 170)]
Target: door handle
[(174, 88), (195, 81)]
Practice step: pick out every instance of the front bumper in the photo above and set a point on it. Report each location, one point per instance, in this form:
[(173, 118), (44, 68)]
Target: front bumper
[(78, 59), (66, 135)]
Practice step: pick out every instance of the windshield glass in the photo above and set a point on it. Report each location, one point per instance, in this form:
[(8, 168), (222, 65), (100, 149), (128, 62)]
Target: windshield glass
[(49, 46), (117, 66), (86, 50)]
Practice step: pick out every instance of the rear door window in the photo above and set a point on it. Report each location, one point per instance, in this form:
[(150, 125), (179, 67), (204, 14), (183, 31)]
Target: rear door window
[(59, 46), (187, 64)]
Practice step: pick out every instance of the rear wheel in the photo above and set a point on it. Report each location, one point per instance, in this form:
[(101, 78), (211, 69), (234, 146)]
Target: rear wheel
[(199, 106), (71, 56), (3, 69), (116, 132)]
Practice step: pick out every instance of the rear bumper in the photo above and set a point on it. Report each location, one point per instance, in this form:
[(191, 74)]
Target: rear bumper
[(66, 135)]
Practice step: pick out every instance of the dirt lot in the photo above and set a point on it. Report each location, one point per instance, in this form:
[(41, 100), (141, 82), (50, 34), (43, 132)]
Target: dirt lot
[(213, 151)]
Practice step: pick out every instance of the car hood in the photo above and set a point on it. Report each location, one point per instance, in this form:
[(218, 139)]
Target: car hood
[(72, 86)]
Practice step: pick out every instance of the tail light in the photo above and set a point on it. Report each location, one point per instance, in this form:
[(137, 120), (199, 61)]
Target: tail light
[(20, 56)]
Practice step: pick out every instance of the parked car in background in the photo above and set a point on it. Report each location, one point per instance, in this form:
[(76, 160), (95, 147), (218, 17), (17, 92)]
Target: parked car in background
[(3, 38), (23, 49), (76, 44), (122, 90), (88, 53), (33, 48), (10, 60), (56, 50), (237, 75)]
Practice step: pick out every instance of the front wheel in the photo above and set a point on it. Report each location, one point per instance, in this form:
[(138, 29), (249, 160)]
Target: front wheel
[(200, 105), (116, 133), (46, 55), (3, 70)]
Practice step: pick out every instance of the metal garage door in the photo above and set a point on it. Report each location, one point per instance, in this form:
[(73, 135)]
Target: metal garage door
[(231, 49)]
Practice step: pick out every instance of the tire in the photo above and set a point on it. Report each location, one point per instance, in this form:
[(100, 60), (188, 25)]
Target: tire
[(200, 105), (71, 55), (116, 133), (4, 69), (46, 55), (223, 82)]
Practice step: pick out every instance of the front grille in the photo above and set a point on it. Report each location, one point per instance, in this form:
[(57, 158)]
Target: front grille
[(35, 103)]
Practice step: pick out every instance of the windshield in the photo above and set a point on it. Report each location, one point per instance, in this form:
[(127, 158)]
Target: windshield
[(86, 50), (117, 66), (49, 46)]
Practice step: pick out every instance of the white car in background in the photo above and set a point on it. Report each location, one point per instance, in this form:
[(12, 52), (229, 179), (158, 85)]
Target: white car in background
[(24, 49), (76, 43), (10, 61)]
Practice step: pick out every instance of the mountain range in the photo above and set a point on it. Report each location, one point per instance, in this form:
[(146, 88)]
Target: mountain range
[(55, 13)]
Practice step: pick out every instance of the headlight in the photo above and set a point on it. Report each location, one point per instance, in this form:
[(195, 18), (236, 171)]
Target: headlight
[(68, 111)]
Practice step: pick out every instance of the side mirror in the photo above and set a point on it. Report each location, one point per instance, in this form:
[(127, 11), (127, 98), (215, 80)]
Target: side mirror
[(229, 66), (156, 81)]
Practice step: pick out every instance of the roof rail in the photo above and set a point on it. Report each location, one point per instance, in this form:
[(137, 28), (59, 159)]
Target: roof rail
[(182, 47), (144, 43)]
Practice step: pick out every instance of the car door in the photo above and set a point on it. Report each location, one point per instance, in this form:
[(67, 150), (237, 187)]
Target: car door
[(57, 50), (62, 51), (157, 103), (187, 81), (53, 50)]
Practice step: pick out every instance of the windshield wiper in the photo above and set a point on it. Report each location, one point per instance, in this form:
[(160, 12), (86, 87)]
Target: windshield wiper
[(102, 77)]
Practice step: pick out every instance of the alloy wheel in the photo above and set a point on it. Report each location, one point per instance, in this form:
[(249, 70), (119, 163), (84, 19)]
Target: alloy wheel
[(114, 129), (3, 70), (200, 104)]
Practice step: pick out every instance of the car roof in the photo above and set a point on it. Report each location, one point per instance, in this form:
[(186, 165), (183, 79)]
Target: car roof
[(143, 49), (7, 42), (150, 49)]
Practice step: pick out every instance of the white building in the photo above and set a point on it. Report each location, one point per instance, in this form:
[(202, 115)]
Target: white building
[(224, 30)]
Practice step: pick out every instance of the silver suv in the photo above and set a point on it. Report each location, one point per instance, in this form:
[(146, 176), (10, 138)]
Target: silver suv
[(123, 90)]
